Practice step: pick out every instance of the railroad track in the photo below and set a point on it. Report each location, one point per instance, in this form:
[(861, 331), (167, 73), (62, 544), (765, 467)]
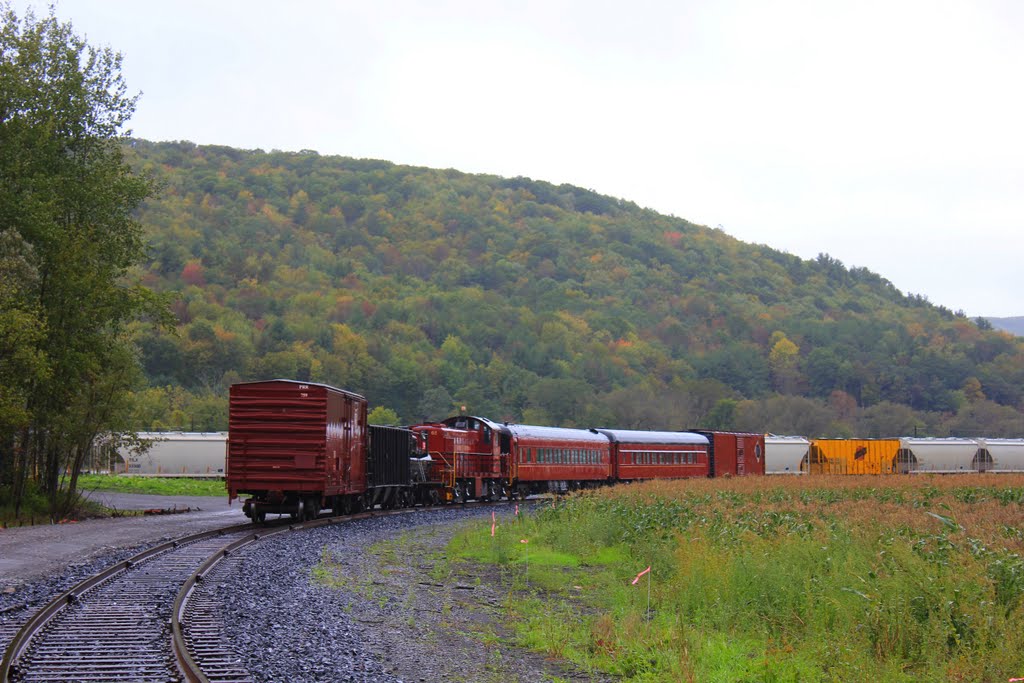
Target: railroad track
[(154, 617)]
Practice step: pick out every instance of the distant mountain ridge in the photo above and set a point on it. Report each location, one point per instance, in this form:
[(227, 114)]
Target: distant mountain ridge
[(1013, 325), (427, 290)]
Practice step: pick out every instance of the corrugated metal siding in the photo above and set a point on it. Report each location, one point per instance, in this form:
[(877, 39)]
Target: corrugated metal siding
[(278, 435), (853, 456)]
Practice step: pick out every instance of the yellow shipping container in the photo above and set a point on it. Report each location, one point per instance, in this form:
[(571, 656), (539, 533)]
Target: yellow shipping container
[(853, 456)]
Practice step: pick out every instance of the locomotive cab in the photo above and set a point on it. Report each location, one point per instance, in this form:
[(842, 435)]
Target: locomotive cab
[(467, 457)]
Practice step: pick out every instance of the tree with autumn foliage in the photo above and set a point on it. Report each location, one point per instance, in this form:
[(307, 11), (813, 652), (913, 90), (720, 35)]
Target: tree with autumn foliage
[(66, 220)]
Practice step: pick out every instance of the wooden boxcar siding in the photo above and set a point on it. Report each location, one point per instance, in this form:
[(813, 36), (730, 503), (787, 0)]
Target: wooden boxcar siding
[(294, 436)]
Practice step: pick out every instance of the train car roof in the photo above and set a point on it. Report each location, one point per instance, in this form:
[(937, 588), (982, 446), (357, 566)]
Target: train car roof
[(328, 387), (553, 433), (639, 436), (783, 438), (183, 436)]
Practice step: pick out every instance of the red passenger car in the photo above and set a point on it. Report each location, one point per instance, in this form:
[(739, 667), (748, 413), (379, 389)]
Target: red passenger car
[(557, 459), (735, 453), (658, 455), (296, 447)]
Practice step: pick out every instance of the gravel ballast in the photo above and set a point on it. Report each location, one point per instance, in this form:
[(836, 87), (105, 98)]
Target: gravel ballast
[(378, 616), (382, 618)]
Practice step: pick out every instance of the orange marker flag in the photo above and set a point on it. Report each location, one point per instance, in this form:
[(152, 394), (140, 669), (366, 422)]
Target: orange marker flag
[(637, 579), (492, 522)]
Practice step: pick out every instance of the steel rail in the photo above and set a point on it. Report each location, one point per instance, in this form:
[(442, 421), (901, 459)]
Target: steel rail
[(24, 636), (186, 663), (190, 668)]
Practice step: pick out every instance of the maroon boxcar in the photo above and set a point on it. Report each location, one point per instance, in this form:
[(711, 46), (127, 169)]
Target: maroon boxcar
[(735, 453), (296, 447), (658, 455)]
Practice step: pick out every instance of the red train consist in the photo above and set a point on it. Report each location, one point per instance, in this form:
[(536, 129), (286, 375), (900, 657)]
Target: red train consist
[(298, 447)]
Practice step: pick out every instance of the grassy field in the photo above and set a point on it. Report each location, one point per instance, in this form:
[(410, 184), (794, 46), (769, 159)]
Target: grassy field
[(161, 486), (34, 509), (766, 579)]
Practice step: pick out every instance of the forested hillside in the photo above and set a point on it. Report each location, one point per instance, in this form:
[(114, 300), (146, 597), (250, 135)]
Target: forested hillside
[(427, 290)]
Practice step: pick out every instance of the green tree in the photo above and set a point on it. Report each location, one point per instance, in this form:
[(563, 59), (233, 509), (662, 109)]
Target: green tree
[(382, 416), (436, 404), (66, 192)]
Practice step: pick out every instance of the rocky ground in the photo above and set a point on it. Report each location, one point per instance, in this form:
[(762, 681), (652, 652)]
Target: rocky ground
[(377, 600), (373, 600)]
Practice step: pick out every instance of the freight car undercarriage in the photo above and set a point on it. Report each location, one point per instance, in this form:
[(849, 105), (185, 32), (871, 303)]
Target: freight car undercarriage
[(306, 506)]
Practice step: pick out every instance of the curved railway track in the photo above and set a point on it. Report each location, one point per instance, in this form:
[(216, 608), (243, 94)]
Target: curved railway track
[(154, 617)]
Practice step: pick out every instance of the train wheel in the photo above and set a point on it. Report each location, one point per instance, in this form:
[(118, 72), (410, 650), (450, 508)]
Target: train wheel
[(458, 494), (259, 517)]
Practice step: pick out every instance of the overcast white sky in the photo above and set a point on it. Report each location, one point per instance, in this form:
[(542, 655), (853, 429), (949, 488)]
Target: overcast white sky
[(888, 134)]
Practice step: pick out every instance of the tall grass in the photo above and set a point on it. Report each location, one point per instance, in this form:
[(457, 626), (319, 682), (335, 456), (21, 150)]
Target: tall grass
[(851, 579)]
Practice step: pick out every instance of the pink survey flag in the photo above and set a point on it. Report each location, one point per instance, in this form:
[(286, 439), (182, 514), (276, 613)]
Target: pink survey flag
[(517, 509), (492, 522), (523, 540), (637, 579)]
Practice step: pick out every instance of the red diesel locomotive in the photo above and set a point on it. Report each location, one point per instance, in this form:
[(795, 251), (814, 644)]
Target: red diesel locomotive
[(299, 447)]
